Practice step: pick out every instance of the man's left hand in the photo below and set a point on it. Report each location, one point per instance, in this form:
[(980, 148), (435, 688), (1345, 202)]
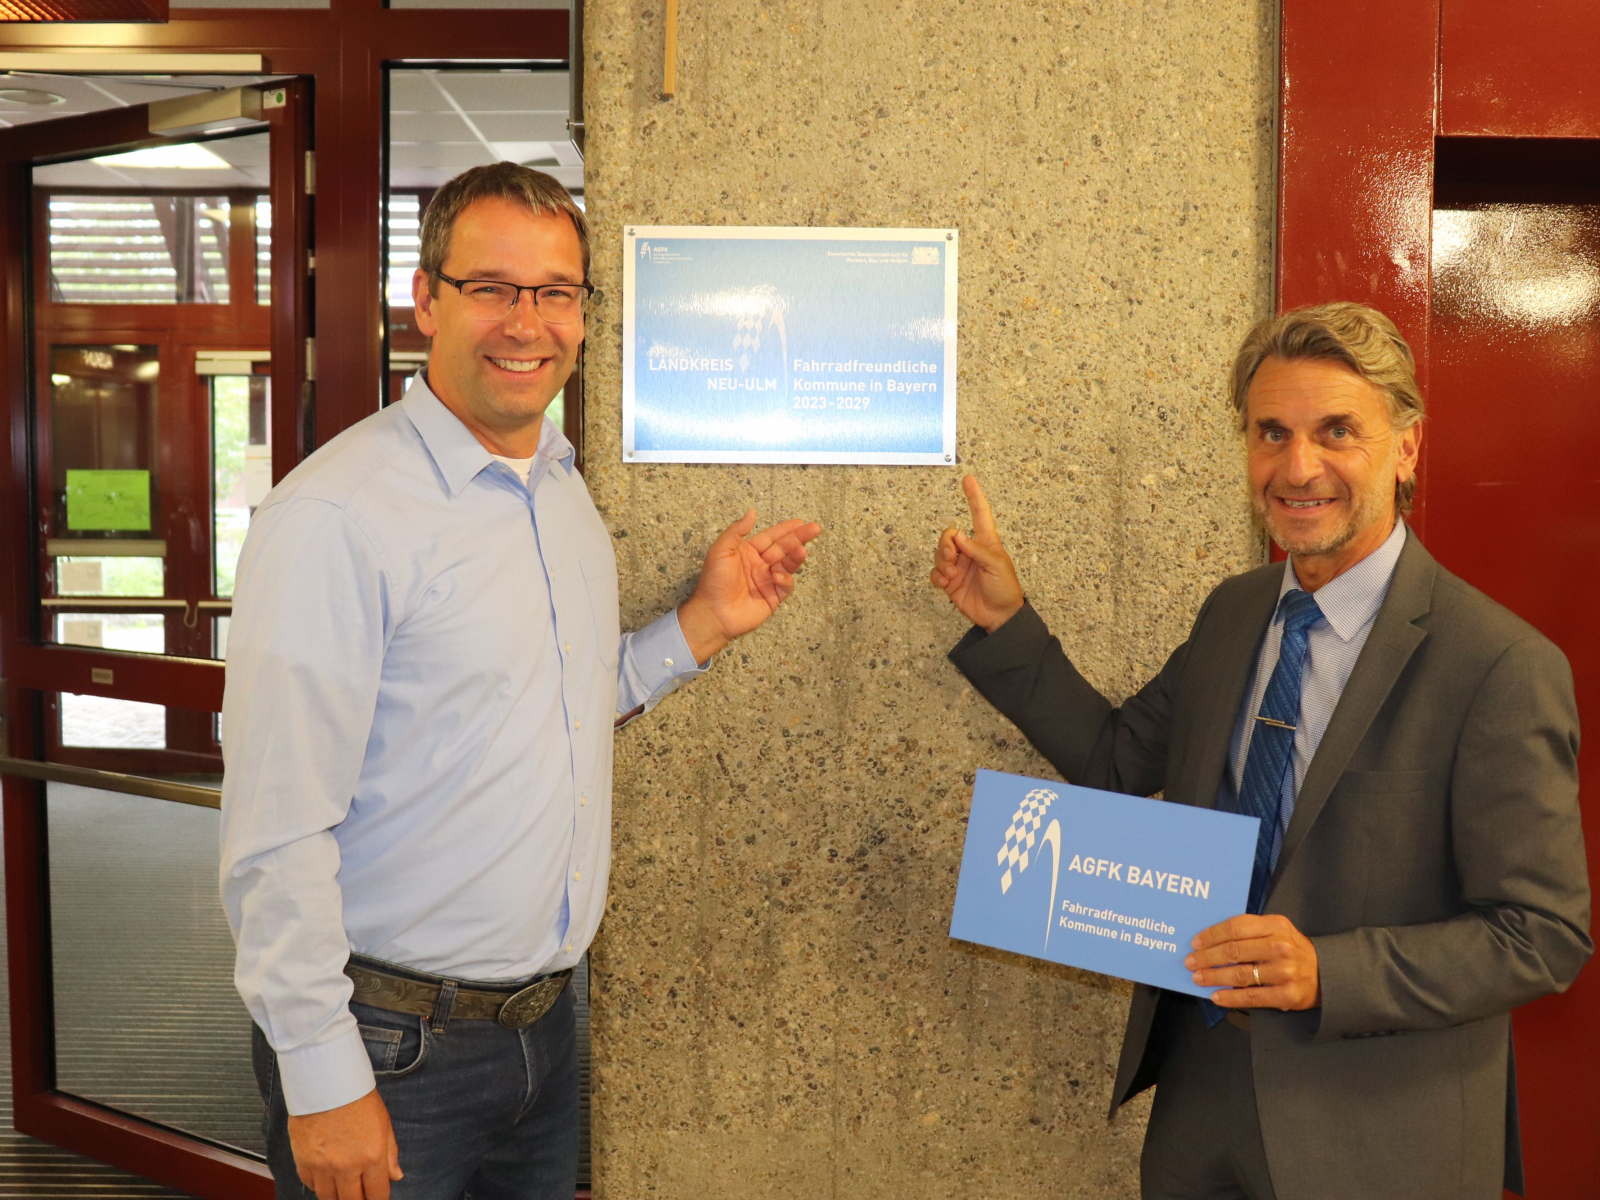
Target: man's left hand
[(745, 577), (1232, 955)]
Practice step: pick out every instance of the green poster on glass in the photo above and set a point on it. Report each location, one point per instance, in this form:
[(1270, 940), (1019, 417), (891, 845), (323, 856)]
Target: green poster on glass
[(105, 500)]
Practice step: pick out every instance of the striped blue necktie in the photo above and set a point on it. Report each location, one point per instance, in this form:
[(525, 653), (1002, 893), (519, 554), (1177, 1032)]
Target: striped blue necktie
[(1272, 747)]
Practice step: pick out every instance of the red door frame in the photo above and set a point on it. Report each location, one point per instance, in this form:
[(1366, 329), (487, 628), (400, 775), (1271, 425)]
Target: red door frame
[(339, 54), (35, 671), (1366, 89)]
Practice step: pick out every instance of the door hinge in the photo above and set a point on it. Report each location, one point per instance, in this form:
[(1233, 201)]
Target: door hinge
[(311, 172), (311, 358)]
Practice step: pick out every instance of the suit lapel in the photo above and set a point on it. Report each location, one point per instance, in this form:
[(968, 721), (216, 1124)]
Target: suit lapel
[(1390, 645), (1228, 663)]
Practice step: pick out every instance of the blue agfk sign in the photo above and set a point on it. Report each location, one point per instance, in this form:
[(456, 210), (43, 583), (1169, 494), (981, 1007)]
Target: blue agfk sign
[(1098, 880)]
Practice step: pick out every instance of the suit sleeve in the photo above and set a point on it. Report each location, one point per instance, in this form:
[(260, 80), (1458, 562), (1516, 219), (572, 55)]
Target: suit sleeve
[(1518, 846), (1022, 670)]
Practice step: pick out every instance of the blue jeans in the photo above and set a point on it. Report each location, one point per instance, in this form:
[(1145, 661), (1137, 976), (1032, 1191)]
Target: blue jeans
[(480, 1112)]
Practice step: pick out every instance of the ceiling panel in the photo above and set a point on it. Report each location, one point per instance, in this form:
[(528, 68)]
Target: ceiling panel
[(521, 127), (246, 155), (40, 97), (441, 122), (506, 91), (428, 127)]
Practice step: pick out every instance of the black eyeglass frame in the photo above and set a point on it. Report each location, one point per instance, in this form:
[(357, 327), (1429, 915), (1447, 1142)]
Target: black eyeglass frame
[(535, 288)]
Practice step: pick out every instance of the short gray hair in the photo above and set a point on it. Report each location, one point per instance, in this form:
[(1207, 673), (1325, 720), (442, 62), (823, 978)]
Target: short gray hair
[(534, 190), (1353, 335)]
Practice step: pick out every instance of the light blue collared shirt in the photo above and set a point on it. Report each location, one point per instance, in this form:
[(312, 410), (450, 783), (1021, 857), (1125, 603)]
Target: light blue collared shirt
[(425, 665), (1349, 605)]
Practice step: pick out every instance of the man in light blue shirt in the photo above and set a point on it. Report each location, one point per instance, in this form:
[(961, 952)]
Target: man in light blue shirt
[(425, 668)]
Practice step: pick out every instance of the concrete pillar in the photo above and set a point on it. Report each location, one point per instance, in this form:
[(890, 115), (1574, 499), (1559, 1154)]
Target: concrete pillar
[(778, 1010)]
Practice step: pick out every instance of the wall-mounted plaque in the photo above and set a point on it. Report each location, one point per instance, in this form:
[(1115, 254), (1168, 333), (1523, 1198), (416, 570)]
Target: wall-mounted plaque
[(772, 345)]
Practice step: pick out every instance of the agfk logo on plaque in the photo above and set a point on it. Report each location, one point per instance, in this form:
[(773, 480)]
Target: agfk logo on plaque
[(1098, 880)]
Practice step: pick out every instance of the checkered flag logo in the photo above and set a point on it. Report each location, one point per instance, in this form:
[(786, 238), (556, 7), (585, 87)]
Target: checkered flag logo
[(1024, 832), (1023, 838), (764, 317)]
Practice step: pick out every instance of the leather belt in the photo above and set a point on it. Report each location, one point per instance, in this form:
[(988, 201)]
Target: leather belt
[(512, 1007)]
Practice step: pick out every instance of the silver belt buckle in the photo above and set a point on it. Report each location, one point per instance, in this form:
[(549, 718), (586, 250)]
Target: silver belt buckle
[(532, 1002)]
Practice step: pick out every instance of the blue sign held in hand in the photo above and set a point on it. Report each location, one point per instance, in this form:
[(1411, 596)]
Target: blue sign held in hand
[(1098, 880)]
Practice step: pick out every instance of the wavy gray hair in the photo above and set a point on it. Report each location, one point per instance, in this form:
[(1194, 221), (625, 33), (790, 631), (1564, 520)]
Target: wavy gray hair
[(1353, 335)]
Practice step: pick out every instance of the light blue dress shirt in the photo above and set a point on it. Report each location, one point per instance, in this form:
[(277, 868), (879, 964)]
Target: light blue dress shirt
[(1349, 605), (425, 665)]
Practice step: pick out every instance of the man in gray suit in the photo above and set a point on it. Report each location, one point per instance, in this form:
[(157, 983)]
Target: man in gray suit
[(1411, 749)]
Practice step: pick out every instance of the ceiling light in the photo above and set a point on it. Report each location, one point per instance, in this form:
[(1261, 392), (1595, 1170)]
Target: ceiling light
[(185, 156), (33, 96)]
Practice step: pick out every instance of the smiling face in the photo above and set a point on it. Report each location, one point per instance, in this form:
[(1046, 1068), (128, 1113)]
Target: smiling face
[(1323, 461), (498, 377)]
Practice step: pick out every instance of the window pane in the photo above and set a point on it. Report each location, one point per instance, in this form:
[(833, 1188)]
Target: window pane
[(103, 435), (146, 1017), (405, 244), (241, 458), (143, 633), (100, 723), (139, 249), (443, 121), (263, 250), (122, 576)]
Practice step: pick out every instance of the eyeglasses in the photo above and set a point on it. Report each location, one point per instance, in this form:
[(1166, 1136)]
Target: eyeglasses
[(493, 300)]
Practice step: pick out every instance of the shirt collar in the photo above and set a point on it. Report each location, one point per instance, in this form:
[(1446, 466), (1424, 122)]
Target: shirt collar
[(554, 447), (1349, 601), (455, 450)]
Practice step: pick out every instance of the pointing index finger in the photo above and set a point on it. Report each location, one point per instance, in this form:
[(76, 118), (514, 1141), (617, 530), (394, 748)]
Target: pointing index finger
[(982, 515)]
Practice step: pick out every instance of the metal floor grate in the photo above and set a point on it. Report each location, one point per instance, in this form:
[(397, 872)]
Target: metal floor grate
[(133, 899), (34, 1170)]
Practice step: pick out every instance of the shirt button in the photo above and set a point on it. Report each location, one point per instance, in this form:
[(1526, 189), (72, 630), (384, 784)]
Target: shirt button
[(577, 724), (577, 874), (668, 661), (569, 647), (569, 947), (583, 800)]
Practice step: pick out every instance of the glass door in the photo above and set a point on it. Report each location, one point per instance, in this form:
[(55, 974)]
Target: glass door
[(158, 364)]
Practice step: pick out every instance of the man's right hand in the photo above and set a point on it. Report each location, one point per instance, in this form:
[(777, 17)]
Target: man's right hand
[(347, 1153), (976, 572)]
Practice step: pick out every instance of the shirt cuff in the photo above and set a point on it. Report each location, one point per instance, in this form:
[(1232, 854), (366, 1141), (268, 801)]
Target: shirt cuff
[(655, 662), (325, 1075)]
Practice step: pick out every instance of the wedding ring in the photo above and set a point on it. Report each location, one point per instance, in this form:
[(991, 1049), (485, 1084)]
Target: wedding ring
[(1256, 971)]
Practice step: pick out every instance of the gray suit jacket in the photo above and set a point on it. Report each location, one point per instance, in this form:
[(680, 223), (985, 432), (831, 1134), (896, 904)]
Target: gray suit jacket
[(1435, 859)]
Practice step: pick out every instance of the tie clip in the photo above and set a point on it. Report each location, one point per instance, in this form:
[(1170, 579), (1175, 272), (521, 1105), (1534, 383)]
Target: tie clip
[(1275, 723)]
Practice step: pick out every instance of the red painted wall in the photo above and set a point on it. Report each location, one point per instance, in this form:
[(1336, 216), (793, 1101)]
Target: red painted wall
[(1495, 279)]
